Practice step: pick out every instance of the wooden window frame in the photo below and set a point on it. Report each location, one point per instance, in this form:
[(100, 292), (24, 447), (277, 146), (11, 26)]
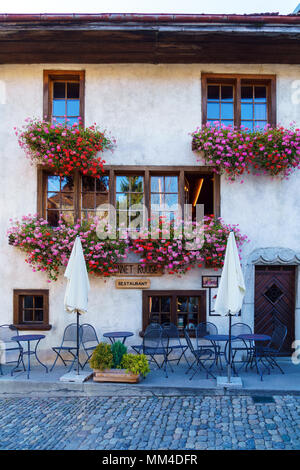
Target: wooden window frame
[(237, 80), (172, 293), (113, 170), (16, 310), (49, 76)]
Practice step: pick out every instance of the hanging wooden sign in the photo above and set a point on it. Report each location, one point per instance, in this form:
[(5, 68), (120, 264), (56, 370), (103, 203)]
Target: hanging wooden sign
[(132, 283), (137, 269)]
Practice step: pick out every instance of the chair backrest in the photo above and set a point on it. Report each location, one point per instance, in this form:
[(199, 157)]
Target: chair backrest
[(206, 328), (88, 334), (70, 333), (153, 326), (278, 336), (172, 332), (188, 341), (240, 329), (154, 338), (7, 331)]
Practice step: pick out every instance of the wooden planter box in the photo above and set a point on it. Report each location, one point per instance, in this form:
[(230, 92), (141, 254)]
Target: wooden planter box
[(115, 375)]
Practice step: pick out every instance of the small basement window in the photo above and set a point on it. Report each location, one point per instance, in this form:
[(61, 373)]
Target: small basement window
[(31, 309)]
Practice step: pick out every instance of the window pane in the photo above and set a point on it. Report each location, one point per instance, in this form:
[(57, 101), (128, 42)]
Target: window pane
[(53, 217), (67, 216), (59, 120), (136, 184), (72, 121), (73, 90), (67, 183), (213, 92), (53, 183), (39, 301), (171, 199), (227, 111), (88, 201), (157, 184), (193, 304), (260, 111), (165, 304), (157, 199), (59, 90), (102, 183), (260, 93), (136, 198), (260, 124), (67, 201), (122, 184), (226, 93), (28, 301), (154, 304), (182, 304), (171, 184), (248, 124), (213, 111), (27, 315), (247, 93), (246, 111), (59, 108), (88, 183), (38, 315), (73, 108), (123, 201)]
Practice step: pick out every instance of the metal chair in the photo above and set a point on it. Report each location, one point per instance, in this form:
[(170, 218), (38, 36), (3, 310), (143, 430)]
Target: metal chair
[(238, 345), (207, 328), (174, 341), (89, 340), (274, 347), (69, 336), (155, 343), (198, 355), (6, 332), (152, 326)]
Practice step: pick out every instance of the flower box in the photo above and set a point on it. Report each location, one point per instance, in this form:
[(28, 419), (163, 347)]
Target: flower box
[(115, 375)]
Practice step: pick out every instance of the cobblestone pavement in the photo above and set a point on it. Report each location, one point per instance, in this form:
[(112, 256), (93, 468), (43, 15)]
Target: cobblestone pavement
[(149, 423)]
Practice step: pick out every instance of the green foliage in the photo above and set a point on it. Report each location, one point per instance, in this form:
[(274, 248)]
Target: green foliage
[(102, 357), (118, 350), (136, 363)]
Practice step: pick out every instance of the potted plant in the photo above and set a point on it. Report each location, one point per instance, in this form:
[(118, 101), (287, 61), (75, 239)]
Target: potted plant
[(113, 364)]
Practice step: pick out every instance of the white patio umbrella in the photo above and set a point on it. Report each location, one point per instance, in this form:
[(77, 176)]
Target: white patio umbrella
[(231, 289), (76, 296)]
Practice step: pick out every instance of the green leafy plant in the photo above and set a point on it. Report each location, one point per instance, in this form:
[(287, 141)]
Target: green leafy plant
[(102, 357), (136, 363), (118, 350)]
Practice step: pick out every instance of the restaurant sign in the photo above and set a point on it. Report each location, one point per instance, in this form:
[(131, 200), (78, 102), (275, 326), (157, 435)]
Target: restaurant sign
[(133, 283), (137, 269)]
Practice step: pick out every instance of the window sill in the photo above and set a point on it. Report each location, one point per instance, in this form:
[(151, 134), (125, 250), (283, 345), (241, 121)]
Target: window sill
[(37, 327)]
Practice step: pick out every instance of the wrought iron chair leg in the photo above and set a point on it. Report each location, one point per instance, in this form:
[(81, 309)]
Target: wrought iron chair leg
[(57, 356)]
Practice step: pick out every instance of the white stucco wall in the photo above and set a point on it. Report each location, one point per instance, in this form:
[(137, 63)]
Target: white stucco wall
[(150, 109)]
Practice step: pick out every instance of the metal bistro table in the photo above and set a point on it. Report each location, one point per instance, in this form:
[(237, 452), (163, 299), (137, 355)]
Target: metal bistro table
[(116, 335), (257, 348), (29, 352), (214, 339)]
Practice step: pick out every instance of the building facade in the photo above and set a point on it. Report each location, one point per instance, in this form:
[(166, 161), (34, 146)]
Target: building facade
[(151, 91)]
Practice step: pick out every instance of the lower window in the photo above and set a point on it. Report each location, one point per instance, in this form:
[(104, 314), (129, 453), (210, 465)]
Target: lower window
[(183, 308), (31, 309)]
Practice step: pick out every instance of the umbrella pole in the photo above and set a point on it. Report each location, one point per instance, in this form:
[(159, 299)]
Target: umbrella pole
[(77, 342), (229, 359)]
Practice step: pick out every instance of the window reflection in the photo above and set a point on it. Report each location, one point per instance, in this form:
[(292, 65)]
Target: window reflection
[(254, 106), (220, 104)]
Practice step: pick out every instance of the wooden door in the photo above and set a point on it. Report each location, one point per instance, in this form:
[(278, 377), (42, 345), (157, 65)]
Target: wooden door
[(275, 299)]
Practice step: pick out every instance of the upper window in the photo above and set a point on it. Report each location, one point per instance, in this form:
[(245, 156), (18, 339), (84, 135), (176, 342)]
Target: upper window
[(64, 96), (239, 100)]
